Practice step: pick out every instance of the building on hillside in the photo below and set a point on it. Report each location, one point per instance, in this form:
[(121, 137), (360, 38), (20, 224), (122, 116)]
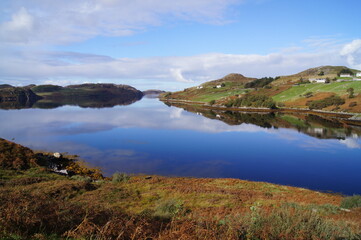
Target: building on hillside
[(345, 75), (199, 87), (218, 86), (318, 80)]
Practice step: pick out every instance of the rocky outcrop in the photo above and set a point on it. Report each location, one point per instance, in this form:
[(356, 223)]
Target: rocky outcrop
[(17, 97)]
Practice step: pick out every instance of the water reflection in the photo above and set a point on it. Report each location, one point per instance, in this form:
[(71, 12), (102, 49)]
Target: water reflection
[(101, 101), (313, 125), (151, 138)]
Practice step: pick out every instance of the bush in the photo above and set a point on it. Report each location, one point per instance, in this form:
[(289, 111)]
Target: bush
[(258, 83), (329, 101), (120, 177), (351, 202), (81, 178), (253, 101), (307, 95), (350, 92), (345, 71), (169, 208), (212, 102), (293, 222), (281, 104)]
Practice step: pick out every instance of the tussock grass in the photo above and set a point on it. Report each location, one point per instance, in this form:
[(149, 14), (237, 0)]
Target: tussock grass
[(351, 202)]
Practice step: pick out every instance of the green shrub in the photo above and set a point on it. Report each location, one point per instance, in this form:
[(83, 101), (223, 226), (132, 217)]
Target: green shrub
[(253, 101), (81, 178), (281, 104), (258, 83), (169, 208), (293, 222), (351, 202), (309, 94), (329, 101), (120, 177)]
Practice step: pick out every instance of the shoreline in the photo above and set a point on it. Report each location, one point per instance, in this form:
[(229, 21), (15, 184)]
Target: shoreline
[(342, 116)]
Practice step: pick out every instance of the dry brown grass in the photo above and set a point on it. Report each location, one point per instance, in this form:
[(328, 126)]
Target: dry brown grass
[(37, 204)]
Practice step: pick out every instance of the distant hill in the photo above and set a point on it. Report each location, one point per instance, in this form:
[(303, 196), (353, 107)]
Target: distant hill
[(330, 72), (16, 97), (87, 95), (230, 84), (230, 78), (83, 95)]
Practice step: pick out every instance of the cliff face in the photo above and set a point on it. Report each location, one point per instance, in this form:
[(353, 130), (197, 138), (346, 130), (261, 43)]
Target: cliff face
[(17, 97)]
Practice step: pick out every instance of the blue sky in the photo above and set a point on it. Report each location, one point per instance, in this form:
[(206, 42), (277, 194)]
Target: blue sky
[(172, 45)]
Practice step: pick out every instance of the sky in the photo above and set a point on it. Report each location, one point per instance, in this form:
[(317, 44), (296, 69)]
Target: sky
[(171, 45)]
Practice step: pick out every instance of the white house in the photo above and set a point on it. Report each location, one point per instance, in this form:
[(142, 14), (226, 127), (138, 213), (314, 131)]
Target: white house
[(218, 86), (345, 75), (199, 87), (318, 80), (358, 74)]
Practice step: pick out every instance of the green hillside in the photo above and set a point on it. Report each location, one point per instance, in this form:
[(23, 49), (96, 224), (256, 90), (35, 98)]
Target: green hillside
[(296, 90), (339, 88), (230, 85)]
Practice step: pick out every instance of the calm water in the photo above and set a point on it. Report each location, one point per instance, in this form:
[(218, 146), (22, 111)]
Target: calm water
[(151, 138)]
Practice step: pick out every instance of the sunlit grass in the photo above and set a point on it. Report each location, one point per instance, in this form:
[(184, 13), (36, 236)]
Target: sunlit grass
[(296, 92)]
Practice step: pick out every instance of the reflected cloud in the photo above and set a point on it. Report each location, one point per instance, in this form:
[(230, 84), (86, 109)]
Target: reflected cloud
[(176, 113), (351, 143)]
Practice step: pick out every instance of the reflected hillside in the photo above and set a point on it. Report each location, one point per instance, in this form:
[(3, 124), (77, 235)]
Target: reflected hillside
[(85, 102), (313, 125)]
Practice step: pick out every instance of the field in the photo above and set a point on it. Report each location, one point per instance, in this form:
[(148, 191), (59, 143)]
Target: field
[(339, 88), (208, 93)]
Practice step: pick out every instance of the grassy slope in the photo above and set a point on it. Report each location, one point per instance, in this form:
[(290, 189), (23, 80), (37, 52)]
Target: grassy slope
[(35, 203), (330, 72), (339, 88), (282, 90), (207, 93), (234, 85)]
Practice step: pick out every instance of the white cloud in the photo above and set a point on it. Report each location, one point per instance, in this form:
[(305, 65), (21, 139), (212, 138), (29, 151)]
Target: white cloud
[(19, 28), (176, 73), (67, 20), (38, 67), (352, 51)]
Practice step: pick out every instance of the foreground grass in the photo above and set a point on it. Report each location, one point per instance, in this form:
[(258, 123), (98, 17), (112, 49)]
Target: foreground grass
[(36, 203)]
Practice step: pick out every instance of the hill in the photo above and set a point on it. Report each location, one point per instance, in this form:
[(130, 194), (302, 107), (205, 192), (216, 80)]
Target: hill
[(232, 84), (87, 95), (331, 72), (294, 91), (36, 203), (17, 97), (52, 96)]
